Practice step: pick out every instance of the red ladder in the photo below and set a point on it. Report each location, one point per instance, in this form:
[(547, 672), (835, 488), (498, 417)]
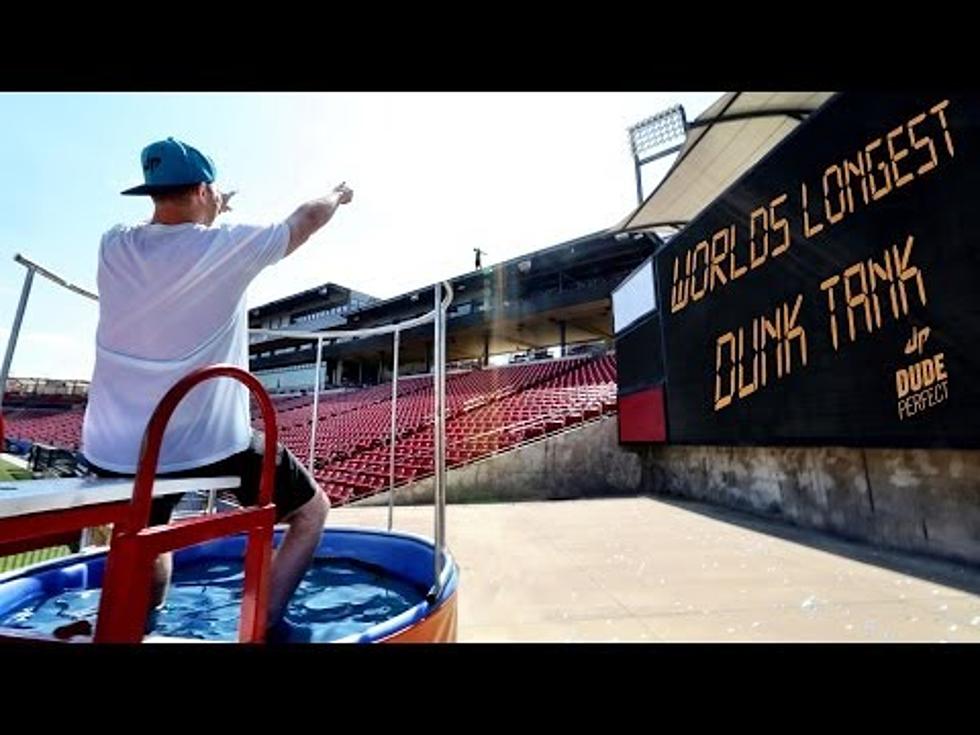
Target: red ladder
[(134, 547)]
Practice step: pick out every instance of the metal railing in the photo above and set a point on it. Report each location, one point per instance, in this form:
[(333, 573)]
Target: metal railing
[(25, 293), (438, 318)]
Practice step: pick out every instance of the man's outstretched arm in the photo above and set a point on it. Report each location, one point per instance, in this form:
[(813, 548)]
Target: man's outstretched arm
[(314, 214)]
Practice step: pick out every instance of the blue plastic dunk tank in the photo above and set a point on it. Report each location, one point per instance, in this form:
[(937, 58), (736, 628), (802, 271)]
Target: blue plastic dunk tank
[(364, 586)]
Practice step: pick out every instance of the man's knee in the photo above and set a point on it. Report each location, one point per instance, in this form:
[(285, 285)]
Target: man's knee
[(313, 512)]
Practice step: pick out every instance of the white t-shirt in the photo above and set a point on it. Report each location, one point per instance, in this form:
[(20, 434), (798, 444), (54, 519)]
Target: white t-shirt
[(172, 299)]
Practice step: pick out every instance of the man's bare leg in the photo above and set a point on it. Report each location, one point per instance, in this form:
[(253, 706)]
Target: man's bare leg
[(163, 568), (291, 560)]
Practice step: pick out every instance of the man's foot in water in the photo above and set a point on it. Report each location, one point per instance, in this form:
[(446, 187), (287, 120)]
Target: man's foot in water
[(67, 632)]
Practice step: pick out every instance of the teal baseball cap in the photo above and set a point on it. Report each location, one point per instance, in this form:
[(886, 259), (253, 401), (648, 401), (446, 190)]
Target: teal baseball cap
[(170, 163)]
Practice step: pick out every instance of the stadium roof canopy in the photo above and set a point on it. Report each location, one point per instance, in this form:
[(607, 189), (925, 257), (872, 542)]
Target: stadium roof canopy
[(724, 142)]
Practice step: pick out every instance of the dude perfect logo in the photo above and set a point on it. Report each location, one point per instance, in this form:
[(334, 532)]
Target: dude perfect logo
[(924, 383)]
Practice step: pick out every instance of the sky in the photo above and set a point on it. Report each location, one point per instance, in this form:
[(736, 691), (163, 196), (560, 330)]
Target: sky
[(434, 176)]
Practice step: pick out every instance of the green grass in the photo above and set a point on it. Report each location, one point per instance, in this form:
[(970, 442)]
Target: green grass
[(9, 472)]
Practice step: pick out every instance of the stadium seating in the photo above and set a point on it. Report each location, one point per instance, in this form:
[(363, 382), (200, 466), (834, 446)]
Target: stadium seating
[(487, 411)]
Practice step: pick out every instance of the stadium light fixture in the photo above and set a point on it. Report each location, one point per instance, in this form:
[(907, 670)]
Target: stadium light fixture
[(663, 133)]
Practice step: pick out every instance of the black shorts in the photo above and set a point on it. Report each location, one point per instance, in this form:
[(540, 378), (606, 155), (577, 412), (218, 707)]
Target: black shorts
[(294, 486)]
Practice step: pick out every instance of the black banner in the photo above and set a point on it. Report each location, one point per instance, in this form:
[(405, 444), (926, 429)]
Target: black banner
[(832, 296), (639, 359)]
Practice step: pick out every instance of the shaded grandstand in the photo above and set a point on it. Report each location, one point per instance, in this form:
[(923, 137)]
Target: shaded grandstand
[(557, 298)]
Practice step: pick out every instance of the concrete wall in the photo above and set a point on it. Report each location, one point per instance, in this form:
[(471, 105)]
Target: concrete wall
[(914, 499), (583, 462), (926, 501)]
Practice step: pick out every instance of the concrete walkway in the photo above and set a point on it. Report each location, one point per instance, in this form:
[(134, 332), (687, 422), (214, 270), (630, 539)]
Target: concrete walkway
[(643, 569)]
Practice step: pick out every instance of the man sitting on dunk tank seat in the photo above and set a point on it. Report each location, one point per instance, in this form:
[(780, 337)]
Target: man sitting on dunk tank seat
[(171, 300)]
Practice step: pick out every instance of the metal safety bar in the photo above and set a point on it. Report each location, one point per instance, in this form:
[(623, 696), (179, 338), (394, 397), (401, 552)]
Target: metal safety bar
[(438, 317)]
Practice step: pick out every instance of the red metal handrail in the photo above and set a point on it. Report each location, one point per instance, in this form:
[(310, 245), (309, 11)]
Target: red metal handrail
[(134, 547)]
